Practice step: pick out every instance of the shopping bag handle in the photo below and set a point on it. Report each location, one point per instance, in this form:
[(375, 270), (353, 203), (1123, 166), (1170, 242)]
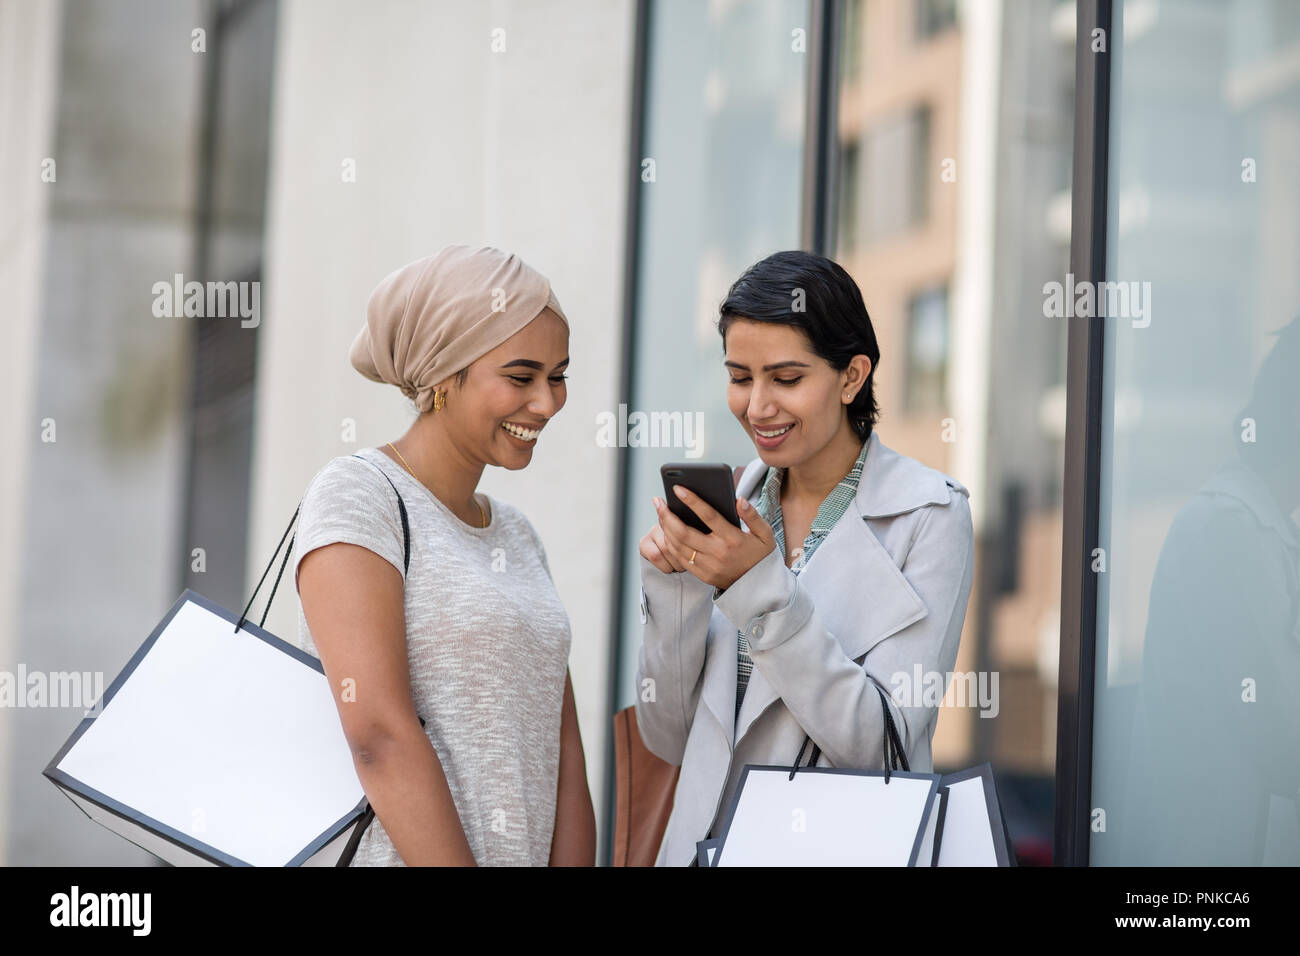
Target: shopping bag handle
[(266, 610), (406, 549), (893, 747)]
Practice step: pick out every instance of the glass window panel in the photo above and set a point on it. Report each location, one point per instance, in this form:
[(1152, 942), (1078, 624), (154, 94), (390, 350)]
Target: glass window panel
[(927, 350), (1196, 736), (724, 126), (971, 377), (934, 16)]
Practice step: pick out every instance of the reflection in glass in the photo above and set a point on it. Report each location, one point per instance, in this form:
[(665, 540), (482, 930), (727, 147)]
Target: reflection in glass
[(1196, 741), (927, 350), (724, 127), (951, 265)]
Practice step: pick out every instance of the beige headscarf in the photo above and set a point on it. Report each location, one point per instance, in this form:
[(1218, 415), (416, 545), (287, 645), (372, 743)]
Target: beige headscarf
[(436, 315)]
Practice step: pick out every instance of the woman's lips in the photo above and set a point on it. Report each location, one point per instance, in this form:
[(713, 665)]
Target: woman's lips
[(523, 433), (770, 440)]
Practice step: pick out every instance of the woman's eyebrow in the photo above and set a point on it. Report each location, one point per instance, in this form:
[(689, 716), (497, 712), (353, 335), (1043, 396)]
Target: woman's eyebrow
[(769, 368), (529, 363)]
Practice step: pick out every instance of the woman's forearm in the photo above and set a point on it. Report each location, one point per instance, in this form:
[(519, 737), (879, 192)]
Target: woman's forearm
[(574, 841), (405, 784)]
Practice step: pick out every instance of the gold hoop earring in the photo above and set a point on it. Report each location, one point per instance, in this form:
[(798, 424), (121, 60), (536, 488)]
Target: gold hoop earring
[(439, 400)]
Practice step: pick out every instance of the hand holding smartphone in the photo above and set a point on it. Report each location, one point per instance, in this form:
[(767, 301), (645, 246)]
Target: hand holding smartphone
[(711, 481)]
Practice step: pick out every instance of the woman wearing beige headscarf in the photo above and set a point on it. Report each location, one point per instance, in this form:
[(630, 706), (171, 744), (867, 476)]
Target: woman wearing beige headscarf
[(471, 638)]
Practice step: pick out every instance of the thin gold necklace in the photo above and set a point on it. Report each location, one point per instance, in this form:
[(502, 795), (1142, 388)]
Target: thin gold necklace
[(481, 512)]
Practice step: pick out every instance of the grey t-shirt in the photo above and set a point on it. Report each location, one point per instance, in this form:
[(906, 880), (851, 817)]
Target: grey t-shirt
[(488, 644)]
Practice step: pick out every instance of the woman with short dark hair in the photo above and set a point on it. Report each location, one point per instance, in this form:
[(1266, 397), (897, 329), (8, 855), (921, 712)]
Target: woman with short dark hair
[(854, 566)]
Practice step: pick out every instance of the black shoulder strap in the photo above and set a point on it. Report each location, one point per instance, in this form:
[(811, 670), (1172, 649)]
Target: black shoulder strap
[(406, 552)]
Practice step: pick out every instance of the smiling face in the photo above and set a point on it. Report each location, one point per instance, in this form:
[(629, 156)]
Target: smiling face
[(788, 399), (509, 394)]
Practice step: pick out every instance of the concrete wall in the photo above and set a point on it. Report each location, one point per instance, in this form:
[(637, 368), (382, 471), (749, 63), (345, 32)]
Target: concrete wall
[(28, 60), (90, 544)]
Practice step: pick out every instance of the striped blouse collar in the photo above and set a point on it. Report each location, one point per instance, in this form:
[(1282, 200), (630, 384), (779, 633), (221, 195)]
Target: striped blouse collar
[(834, 506)]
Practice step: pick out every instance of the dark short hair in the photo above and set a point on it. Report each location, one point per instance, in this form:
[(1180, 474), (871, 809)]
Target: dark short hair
[(833, 316)]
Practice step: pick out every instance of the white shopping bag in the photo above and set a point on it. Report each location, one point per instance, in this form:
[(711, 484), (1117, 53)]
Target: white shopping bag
[(972, 828), (823, 816), (219, 747), (827, 817), (220, 744)]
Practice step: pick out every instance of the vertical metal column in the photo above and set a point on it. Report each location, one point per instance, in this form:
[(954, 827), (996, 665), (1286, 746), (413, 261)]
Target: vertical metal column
[(1082, 484)]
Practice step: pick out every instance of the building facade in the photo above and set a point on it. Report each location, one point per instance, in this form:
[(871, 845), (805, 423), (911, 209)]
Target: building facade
[(969, 162)]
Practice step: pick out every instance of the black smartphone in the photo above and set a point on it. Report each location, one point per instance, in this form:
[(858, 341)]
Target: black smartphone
[(712, 482)]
